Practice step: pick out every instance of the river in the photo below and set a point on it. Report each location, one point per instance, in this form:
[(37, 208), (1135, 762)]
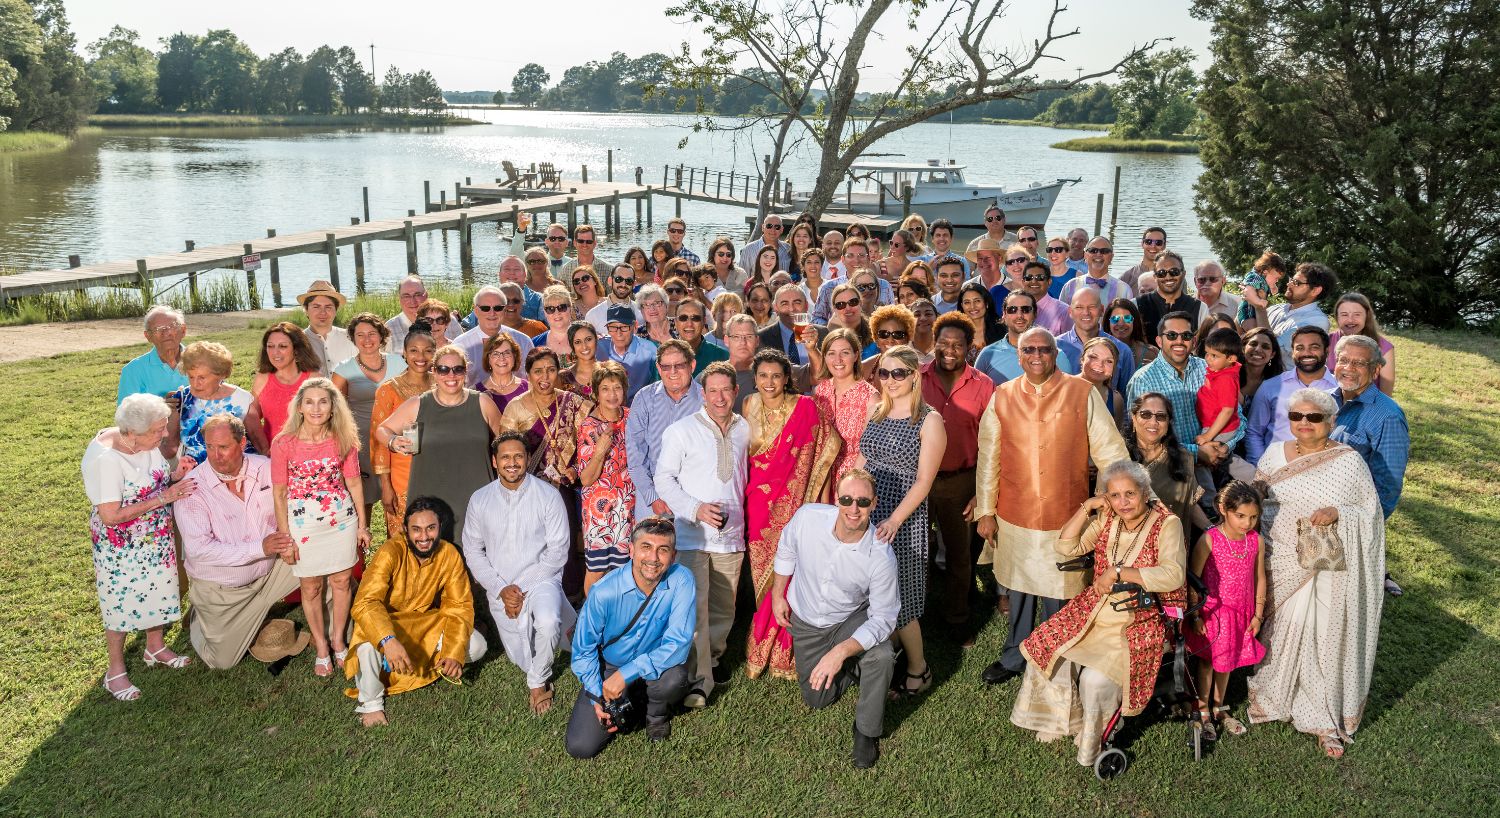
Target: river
[(122, 194)]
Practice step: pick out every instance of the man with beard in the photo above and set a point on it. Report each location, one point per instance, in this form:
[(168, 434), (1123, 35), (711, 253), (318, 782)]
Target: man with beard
[(842, 609), (1178, 375), (1169, 295), (1268, 423), (516, 543), (413, 615), (959, 393), (621, 281), (1036, 441), (632, 642), (1307, 284)]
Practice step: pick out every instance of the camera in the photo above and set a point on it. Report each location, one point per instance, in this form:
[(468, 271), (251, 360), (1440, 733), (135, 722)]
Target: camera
[(620, 710)]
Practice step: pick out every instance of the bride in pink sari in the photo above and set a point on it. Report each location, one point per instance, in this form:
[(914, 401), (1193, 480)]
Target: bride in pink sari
[(792, 449)]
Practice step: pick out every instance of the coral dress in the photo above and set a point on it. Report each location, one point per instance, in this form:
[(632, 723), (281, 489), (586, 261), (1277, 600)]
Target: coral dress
[(849, 413), (1229, 575), (609, 502)]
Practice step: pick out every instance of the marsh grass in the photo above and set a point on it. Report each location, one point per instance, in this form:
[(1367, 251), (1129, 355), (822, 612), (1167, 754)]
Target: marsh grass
[(1109, 144)]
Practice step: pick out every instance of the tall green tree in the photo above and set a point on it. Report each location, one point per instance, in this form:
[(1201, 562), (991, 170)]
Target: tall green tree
[(226, 71), (279, 82), (20, 44), (1154, 98), (356, 85), (51, 87), (320, 85), (179, 84), (527, 85), (395, 90), (1362, 136), (125, 72), (426, 94)]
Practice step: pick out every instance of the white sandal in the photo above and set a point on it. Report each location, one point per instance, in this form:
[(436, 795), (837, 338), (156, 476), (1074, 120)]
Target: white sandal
[(339, 656), (323, 663), (129, 694), (176, 662)]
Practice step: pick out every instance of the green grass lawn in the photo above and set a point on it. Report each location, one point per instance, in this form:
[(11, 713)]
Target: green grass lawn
[(243, 742)]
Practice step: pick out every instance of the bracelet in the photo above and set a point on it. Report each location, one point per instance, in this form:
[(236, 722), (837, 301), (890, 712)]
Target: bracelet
[(381, 646)]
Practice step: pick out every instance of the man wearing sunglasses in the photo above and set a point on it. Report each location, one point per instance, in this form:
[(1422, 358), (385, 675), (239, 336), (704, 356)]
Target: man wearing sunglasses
[(620, 283), (1098, 255), (676, 232), (1169, 296), (1153, 242), (1035, 277), (842, 609), (994, 229), (1178, 375), (557, 250), (999, 361), (585, 242), (1036, 441), (513, 271), (1307, 284), (513, 316), (690, 319), (1208, 281), (771, 230), (489, 314)]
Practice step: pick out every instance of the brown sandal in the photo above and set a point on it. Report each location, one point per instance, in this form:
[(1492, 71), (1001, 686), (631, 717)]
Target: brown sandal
[(541, 700)]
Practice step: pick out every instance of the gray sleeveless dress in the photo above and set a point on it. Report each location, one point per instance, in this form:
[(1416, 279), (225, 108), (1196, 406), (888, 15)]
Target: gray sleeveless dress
[(455, 458)]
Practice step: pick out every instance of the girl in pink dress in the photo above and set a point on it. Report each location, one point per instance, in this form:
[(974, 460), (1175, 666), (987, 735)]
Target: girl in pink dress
[(1233, 567)]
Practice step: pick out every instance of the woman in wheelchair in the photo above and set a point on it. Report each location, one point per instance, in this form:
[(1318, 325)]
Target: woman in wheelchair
[(1103, 650)]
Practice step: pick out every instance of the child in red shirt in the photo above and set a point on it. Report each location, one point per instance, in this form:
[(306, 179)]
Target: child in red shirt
[(1219, 398)]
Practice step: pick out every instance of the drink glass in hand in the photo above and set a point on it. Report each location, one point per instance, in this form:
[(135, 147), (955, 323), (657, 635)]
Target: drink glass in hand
[(800, 322), (523, 222)]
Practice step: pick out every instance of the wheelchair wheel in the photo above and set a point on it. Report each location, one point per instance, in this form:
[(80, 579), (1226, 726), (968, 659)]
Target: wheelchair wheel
[(1110, 763), (1195, 738)]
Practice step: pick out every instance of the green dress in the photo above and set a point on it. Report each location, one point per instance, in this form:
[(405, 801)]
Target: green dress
[(454, 461)]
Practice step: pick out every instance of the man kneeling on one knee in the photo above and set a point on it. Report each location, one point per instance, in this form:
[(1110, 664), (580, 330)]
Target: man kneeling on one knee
[(414, 614), (631, 645), (842, 608)]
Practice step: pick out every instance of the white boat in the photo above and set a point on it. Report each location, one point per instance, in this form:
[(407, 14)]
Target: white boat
[(939, 191)]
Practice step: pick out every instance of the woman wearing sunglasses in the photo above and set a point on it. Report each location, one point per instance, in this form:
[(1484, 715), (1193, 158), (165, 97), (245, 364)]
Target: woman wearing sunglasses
[(1123, 320), (847, 311), (587, 291), (557, 311), (901, 446), (894, 325), (1152, 443), (1056, 256), (721, 255), (450, 458)]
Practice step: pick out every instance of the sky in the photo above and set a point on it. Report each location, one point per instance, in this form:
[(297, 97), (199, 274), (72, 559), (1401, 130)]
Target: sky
[(470, 45)]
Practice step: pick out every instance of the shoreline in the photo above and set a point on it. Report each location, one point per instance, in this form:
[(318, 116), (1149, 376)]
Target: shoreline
[(17, 142), (274, 120), (1109, 144)]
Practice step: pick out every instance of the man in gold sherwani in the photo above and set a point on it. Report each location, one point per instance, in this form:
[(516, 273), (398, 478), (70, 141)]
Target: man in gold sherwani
[(1035, 443), (414, 614)]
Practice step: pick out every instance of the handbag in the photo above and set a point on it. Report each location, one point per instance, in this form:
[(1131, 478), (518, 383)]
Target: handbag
[(1319, 547)]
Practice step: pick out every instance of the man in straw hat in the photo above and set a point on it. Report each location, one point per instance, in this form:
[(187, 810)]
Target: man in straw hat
[(237, 560), (333, 345), (984, 254), (413, 615)]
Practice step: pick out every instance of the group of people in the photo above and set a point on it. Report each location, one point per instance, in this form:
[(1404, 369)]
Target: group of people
[(593, 456)]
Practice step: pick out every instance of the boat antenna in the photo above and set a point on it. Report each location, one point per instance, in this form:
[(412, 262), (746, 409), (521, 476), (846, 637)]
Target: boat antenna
[(950, 136)]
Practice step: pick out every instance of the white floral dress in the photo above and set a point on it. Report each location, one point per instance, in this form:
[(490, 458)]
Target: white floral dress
[(135, 563)]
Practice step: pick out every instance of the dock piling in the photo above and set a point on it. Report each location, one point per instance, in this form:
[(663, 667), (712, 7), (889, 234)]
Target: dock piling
[(74, 261), (465, 249), (1114, 205), (192, 276), (426, 196), (615, 206), (251, 288), (585, 174), (331, 246), (276, 271), (609, 165), (572, 217), (367, 207), (1099, 215), (411, 246), (359, 260), (144, 275)]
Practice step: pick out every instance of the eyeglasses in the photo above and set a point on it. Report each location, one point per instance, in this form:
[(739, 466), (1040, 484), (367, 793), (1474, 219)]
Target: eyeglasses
[(1122, 319), (993, 219), (863, 502), (556, 309), (1170, 272), (898, 374), (742, 337), (583, 241), (674, 367), (1310, 417), (414, 296), (689, 317), (1038, 351), (557, 238), (1346, 361), (1300, 282), (1153, 242), (501, 352), (1099, 251), (489, 307), (890, 334), (1174, 335), (1016, 260), (168, 330), (456, 369), (676, 230), (676, 291), (867, 288), (1147, 414), (624, 279), (1057, 249), (1036, 278), (1024, 309), (844, 305)]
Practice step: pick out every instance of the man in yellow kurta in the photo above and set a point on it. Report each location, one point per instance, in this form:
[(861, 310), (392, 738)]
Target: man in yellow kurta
[(414, 614), (1035, 443)]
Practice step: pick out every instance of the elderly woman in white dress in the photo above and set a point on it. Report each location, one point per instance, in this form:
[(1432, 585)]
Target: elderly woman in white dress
[(131, 488), (1323, 625)]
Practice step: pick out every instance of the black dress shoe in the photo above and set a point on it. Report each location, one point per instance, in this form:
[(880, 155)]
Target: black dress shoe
[(658, 731), (866, 750), (722, 674), (997, 673)]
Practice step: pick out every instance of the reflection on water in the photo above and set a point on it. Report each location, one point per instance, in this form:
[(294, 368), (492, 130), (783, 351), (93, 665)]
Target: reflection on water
[(123, 194)]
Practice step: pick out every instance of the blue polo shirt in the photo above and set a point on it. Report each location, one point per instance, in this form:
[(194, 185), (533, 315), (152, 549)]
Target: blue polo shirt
[(1374, 425), (149, 374), (1001, 361), (639, 361)]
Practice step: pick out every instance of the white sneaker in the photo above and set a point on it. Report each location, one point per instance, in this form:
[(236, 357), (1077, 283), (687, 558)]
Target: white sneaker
[(695, 700)]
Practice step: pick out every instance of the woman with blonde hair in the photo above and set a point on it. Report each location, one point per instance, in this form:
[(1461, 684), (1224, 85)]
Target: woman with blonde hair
[(206, 365), (724, 306), (557, 311), (320, 504), (1354, 315), (902, 446), (587, 291)]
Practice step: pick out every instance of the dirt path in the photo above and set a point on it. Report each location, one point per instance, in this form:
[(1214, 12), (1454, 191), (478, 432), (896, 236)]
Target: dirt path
[(45, 340)]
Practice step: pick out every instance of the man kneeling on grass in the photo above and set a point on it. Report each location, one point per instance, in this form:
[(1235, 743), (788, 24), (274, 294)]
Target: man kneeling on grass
[(414, 615), (631, 645)]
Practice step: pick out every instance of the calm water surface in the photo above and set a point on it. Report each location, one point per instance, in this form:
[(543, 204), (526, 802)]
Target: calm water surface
[(124, 194)]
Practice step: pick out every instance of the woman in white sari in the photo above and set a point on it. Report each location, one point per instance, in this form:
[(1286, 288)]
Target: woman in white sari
[(1323, 625)]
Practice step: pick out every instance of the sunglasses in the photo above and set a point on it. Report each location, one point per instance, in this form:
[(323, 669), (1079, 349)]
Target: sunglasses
[(557, 238), (583, 241), (676, 291), (1147, 414), (1035, 277), (624, 279), (1024, 309), (1122, 319), (689, 317), (676, 230), (1202, 280), (772, 227), (1310, 417), (993, 219), (456, 369), (1057, 249), (863, 502), (1153, 242), (579, 282), (1170, 272), (844, 305), (1016, 260), (556, 309), (1038, 351), (1098, 251), (889, 334), (536, 261), (723, 254), (898, 374), (1174, 335), (1028, 239), (490, 308), (438, 319), (867, 288)]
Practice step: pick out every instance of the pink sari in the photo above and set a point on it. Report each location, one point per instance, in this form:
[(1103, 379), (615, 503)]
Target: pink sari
[(786, 468)]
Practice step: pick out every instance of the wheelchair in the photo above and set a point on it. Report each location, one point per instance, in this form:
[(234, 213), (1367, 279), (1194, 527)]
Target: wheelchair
[(1175, 695)]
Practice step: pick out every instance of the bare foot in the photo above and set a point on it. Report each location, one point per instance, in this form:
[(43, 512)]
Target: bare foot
[(541, 700), (1332, 747), (375, 719)]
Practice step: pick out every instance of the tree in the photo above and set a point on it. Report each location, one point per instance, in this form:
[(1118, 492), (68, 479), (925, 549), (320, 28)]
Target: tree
[(319, 86), (20, 45), (279, 82), (356, 85), (812, 52), (426, 94), (1094, 105), (1155, 96), (226, 72), (498, 98), (178, 84), (527, 85), (395, 90), (124, 71), (1361, 136), (47, 79)]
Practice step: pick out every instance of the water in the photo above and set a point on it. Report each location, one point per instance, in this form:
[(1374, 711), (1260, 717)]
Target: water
[(124, 194)]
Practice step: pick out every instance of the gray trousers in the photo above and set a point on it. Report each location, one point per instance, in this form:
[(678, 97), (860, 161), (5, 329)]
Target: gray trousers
[(586, 737), (1022, 621), (871, 669)]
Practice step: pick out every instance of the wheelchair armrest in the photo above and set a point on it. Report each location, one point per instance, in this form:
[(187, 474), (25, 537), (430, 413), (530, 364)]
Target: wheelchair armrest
[(1084, 562)]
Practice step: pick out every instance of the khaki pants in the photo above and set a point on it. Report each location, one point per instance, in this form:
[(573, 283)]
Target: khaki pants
[(718, 578), (224, 620)]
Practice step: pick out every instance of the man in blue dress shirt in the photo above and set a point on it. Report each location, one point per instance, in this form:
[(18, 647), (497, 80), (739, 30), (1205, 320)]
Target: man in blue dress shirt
[(632, 642), (622, 345)]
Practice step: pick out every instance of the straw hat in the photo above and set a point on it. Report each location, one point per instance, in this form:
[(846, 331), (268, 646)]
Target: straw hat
[(982, 245), (279, 638), (324, 288)]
